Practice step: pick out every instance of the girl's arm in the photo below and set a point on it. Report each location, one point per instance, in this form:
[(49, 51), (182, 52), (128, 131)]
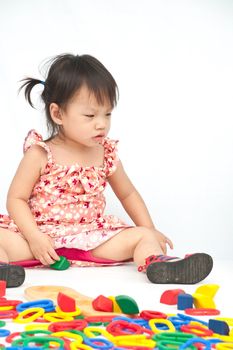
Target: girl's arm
[(26, 176), (133, 203)]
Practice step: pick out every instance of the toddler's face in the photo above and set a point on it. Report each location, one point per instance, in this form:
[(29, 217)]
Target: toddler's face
[(84, 121)]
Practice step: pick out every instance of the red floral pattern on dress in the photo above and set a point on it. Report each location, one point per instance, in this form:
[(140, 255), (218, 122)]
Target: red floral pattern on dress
[(68, 202)]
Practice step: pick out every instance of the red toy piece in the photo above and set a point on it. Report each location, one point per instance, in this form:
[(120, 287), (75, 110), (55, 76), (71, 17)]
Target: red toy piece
[(66, 303), (150, 314), (2, 288), (101, 303), (99, 318), (202, 312), (170, 296)]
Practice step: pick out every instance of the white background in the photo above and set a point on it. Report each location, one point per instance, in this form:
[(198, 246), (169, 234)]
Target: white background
[(173, 62)]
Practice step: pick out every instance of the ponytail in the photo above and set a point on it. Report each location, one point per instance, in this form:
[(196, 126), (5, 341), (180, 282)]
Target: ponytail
[(28, 85)]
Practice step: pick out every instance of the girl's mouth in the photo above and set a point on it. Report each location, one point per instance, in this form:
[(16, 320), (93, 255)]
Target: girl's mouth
[(98, 137)]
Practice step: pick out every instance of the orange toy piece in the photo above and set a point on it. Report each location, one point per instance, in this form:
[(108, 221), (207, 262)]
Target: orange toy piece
[(170, 296), (101, 303), (66, 303)]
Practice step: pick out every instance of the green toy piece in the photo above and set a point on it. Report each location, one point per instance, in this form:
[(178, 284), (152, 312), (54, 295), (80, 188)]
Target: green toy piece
[(62, 264), (127, 304)]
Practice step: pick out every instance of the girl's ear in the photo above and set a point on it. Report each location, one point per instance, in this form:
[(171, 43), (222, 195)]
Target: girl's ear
[(55, 112)]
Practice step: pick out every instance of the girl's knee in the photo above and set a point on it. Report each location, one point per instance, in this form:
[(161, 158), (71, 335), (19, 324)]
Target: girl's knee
[(145, 232)]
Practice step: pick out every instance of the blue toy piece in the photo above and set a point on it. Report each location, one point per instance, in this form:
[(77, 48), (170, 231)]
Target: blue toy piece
[(186, 345), (219, 327), (46, 304), (190, 318), (184, 301)]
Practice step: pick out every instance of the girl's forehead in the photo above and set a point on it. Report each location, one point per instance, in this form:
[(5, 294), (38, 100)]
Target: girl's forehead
[(85, 96)]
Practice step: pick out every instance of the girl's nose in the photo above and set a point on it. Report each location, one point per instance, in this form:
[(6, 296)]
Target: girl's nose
[(101, 123)]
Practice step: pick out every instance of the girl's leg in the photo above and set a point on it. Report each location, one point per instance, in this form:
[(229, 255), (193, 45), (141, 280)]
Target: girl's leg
[(136, 242), (140, 243), (13, 247)]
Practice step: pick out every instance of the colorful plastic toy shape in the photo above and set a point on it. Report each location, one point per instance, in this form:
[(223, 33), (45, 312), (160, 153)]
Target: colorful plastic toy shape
[(204, 296), (62, 264), (2, 288), (116, 307), (127, 304), (219, 327), (170, 296), (66, 303), (185, 301), (101, 303)]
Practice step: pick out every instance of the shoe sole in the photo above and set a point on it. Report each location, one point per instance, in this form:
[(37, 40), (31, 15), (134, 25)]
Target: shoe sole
[(190, 270), (14, 275)]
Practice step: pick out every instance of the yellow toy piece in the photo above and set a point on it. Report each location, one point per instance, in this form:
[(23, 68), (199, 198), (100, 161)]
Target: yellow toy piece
[(116, 307), (228, 320), (203, 301), (169, 324), (208, 290), (55, 317), (35, 312), (77, 346), (77, 312), (91, 330), (224, 346), (32, 327), (204, 296)]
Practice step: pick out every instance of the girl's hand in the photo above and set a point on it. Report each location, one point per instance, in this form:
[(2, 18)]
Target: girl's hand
[(42, 248), (163, 241)]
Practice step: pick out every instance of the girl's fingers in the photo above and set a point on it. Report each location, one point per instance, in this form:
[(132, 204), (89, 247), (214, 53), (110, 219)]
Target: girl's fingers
[(42, 260), (54, 255), (169, 242), (46, 259), (164, 243), (163, 246), (49, 259)]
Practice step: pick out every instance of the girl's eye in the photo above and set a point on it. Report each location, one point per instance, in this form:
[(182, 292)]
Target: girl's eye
[(89, 115), (108, 114)]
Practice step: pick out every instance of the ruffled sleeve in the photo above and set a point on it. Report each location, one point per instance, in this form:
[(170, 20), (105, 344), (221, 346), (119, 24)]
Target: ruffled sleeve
[(110, 156), (34, 138)]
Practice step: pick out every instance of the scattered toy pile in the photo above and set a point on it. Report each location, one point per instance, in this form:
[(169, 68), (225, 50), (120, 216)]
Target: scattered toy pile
[(61, 325)]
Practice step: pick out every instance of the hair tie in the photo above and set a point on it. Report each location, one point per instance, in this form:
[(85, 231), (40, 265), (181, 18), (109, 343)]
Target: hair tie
[(42, 82)]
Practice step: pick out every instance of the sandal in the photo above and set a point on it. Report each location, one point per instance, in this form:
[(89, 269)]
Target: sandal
[(14, 275), (162, 269)]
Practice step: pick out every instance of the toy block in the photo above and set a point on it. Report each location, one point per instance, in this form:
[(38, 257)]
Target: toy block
[(219, 327), (203, 301), (101, 303), (2, 288), (116, 307), (208, 289), (127, 304), (204, 296), (62, 264), (66, 303), (170, 296), (185, 301)]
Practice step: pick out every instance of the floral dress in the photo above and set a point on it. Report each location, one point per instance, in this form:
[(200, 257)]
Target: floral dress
[(68, 202)]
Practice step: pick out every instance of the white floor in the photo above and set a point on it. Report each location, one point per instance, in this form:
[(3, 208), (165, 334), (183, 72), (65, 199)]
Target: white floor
[(126, 280)]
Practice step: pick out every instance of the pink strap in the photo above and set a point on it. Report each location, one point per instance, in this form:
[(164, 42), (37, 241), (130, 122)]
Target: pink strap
[(34, 138)]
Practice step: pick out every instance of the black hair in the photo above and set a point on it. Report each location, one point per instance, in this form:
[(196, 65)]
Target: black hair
[(66, 74)]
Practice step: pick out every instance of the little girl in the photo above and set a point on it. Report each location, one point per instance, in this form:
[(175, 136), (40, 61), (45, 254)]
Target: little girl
[(56, 202)]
